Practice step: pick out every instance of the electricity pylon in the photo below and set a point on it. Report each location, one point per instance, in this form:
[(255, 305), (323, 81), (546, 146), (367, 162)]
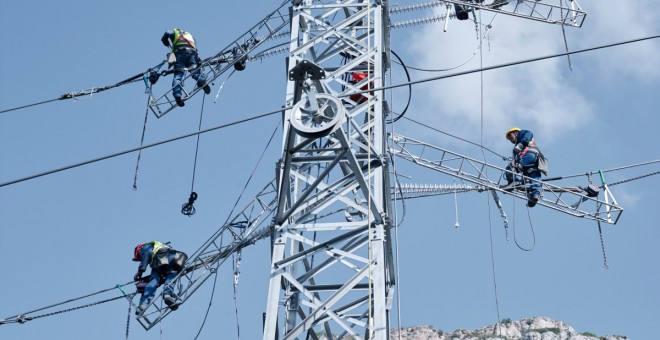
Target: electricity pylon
[(331, 271)]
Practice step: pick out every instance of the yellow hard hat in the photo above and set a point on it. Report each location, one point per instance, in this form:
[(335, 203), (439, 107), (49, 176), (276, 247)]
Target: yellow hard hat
[(506, 135)]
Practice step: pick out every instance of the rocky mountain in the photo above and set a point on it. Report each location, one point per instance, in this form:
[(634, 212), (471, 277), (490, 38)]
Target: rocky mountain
[(539, 328)]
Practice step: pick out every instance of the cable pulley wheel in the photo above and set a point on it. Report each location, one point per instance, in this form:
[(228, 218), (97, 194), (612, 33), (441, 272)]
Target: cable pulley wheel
[(317, 123)]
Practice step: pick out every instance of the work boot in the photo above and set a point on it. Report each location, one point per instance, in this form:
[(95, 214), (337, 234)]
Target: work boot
[(204, 86), (140, 309), (169, 299), (179, 101), (532, 200), (498, 3)]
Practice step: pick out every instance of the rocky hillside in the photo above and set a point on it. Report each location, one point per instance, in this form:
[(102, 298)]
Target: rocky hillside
[(539, 328)]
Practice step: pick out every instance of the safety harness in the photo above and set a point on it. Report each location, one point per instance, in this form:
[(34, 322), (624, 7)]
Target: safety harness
[(182, 38)]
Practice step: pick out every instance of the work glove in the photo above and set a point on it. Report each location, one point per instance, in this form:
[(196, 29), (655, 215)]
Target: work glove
[(137, 276), (517, 149)]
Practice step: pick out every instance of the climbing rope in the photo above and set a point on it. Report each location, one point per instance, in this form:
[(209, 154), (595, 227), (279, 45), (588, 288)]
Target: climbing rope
[(188, 209)]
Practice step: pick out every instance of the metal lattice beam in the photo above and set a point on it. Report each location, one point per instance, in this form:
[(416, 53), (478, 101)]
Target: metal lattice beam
[(568, 15), (570, 201), (331, 272)]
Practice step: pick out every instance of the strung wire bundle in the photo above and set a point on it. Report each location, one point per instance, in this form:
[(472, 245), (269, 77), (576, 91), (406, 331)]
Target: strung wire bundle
[(187, 208)]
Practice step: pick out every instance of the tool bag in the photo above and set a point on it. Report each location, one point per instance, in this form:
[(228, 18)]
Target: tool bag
[(171, 58), (179, 260)]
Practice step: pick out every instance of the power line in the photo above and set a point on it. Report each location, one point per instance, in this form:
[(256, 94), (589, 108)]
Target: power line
[(141, 147), (340, 96), (91, 91), (488, 68)]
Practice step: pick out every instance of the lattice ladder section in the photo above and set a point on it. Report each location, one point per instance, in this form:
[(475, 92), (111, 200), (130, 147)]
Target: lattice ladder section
[(245, 228), (331, 273), (569, 200), (568, 14), (236, 52)]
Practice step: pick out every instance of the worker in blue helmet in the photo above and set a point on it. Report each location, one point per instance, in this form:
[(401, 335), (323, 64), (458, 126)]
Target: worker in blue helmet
[(528, 160), (166, 263), (185, 52)]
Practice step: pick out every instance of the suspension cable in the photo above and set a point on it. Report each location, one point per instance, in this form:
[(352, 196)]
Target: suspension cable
[(23, 317), (89, 92), (240, 121)]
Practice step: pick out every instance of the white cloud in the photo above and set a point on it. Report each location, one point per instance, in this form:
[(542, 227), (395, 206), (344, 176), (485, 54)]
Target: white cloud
[(544, 96)]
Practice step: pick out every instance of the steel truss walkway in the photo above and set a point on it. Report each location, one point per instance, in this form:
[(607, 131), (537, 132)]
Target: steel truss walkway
[(569, 200), (569, 15), (231, 56), (244, 229)]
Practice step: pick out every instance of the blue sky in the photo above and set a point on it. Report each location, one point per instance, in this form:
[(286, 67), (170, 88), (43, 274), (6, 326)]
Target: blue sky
[(72, 233)]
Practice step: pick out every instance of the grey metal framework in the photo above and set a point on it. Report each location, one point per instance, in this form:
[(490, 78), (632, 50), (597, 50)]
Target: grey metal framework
[(260, 35), (329, 207), (243, 229), (332, 272), (567, 14), (569, 200)]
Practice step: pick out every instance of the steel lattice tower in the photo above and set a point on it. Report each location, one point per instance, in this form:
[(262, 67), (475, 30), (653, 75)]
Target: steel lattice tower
[(332, 266)]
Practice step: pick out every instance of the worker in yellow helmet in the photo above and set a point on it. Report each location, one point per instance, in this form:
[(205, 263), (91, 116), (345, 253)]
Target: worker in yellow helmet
[(528, 160), (185, 50)]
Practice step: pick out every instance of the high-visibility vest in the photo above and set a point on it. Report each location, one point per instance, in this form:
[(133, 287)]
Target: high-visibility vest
[(157, 247), (182, 38)]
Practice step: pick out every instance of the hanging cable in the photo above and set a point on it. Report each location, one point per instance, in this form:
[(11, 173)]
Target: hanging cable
[(217, 95), (228, 217), (215, 280), (482, 148), (515, 238), (187, 208), (237, 264), (456, 225), (128, 318), (602, 245), (405, 109), (144, 129), (563, 32)]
